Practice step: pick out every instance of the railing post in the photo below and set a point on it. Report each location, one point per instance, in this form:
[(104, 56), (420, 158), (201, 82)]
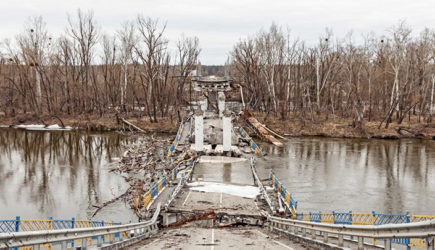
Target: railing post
[(360, 243), (304, 232), (325, 237), (408, 240), (17, 226), (36, 247), (64, 245), (430, 243), (313, 234), (387, 244), (333, 217), (73, 223), (84, 243), (340, 240), (102, 236)]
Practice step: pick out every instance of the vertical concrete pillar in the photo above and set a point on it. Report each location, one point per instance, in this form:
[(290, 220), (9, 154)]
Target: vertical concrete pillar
[(199, 131), (204, 104), (221, 103), (226, 124)]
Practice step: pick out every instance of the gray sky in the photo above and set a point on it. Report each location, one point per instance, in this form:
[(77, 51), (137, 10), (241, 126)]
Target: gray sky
[(220, 24)]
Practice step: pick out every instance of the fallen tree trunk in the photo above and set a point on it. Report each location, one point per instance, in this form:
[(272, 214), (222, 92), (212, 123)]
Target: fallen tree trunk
[(132, 125), (261, 129)]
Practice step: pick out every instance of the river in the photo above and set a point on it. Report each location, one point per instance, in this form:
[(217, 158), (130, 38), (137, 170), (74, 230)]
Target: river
[(359, 175), (60, 174), (64, 173)]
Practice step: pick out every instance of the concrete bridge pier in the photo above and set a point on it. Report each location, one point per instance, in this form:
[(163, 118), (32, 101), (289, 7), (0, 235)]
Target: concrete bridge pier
[(221, 103), (204, 104), (226, 124), (199, 131)]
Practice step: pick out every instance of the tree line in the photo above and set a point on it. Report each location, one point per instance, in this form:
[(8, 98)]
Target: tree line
[(85, 70), (383, 78)]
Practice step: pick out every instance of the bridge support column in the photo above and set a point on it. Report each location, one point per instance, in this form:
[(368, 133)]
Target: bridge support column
[(221, 103), (199, 131), (226, 123), (204, 104)]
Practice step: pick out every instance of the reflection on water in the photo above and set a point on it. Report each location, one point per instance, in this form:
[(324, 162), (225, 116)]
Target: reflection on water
[(60, 174), (359, 175)]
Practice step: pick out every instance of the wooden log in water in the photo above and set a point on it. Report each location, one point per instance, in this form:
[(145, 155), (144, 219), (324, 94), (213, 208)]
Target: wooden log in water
[(261, 129)]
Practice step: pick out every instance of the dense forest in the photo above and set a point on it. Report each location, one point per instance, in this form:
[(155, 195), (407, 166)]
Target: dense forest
[(387, 78)]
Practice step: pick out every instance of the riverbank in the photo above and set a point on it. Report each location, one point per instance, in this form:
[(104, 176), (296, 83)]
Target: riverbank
[(346, 128), (339, 128), (107, 122)]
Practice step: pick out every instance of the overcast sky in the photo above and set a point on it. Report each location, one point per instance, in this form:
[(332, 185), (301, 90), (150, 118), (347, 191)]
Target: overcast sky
[(220, 24)]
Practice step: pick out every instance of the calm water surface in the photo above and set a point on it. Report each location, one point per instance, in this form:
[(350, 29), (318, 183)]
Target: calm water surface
[(324, 174), (60, 174)]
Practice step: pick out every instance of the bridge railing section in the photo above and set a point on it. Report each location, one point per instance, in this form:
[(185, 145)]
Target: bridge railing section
[(421, 232), (290, 202), (30, 225), (373, 218), (46, 236), (174, 144), (158, 187), (251, 141)]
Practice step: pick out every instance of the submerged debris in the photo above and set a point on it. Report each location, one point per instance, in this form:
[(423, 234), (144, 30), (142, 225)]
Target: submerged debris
[(142, 165)]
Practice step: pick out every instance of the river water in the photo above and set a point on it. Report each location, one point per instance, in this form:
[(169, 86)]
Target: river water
[(64, 173), (60, 174), (327, 174)]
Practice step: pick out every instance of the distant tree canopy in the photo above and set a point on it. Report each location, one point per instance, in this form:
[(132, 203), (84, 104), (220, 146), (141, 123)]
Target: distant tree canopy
[(383, 78), (84, 70), (87, 71)]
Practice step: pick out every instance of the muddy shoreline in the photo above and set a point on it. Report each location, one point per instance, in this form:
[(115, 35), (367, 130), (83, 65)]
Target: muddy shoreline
[(293, 127)]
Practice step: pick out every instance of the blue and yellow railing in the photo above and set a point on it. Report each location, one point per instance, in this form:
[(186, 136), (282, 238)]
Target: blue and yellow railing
[(288, 197), (373, 218), (158, 187), (176, 140), (252, 143), (20, 225)]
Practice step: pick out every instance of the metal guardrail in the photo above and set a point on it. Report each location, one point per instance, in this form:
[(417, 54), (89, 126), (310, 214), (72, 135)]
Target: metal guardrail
[(176, 140), (388, 232), (260, 185), (252, 143), (290, 202), (373, 218), (179, 186), (67, 236), (25, 225), (157, 188)]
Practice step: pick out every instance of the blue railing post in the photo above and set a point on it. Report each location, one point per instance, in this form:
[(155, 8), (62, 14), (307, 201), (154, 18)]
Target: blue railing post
[(73, 222), (102, 236), (408, 240), (374, 216), (333, 215), (350, 222), (17, 226)]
